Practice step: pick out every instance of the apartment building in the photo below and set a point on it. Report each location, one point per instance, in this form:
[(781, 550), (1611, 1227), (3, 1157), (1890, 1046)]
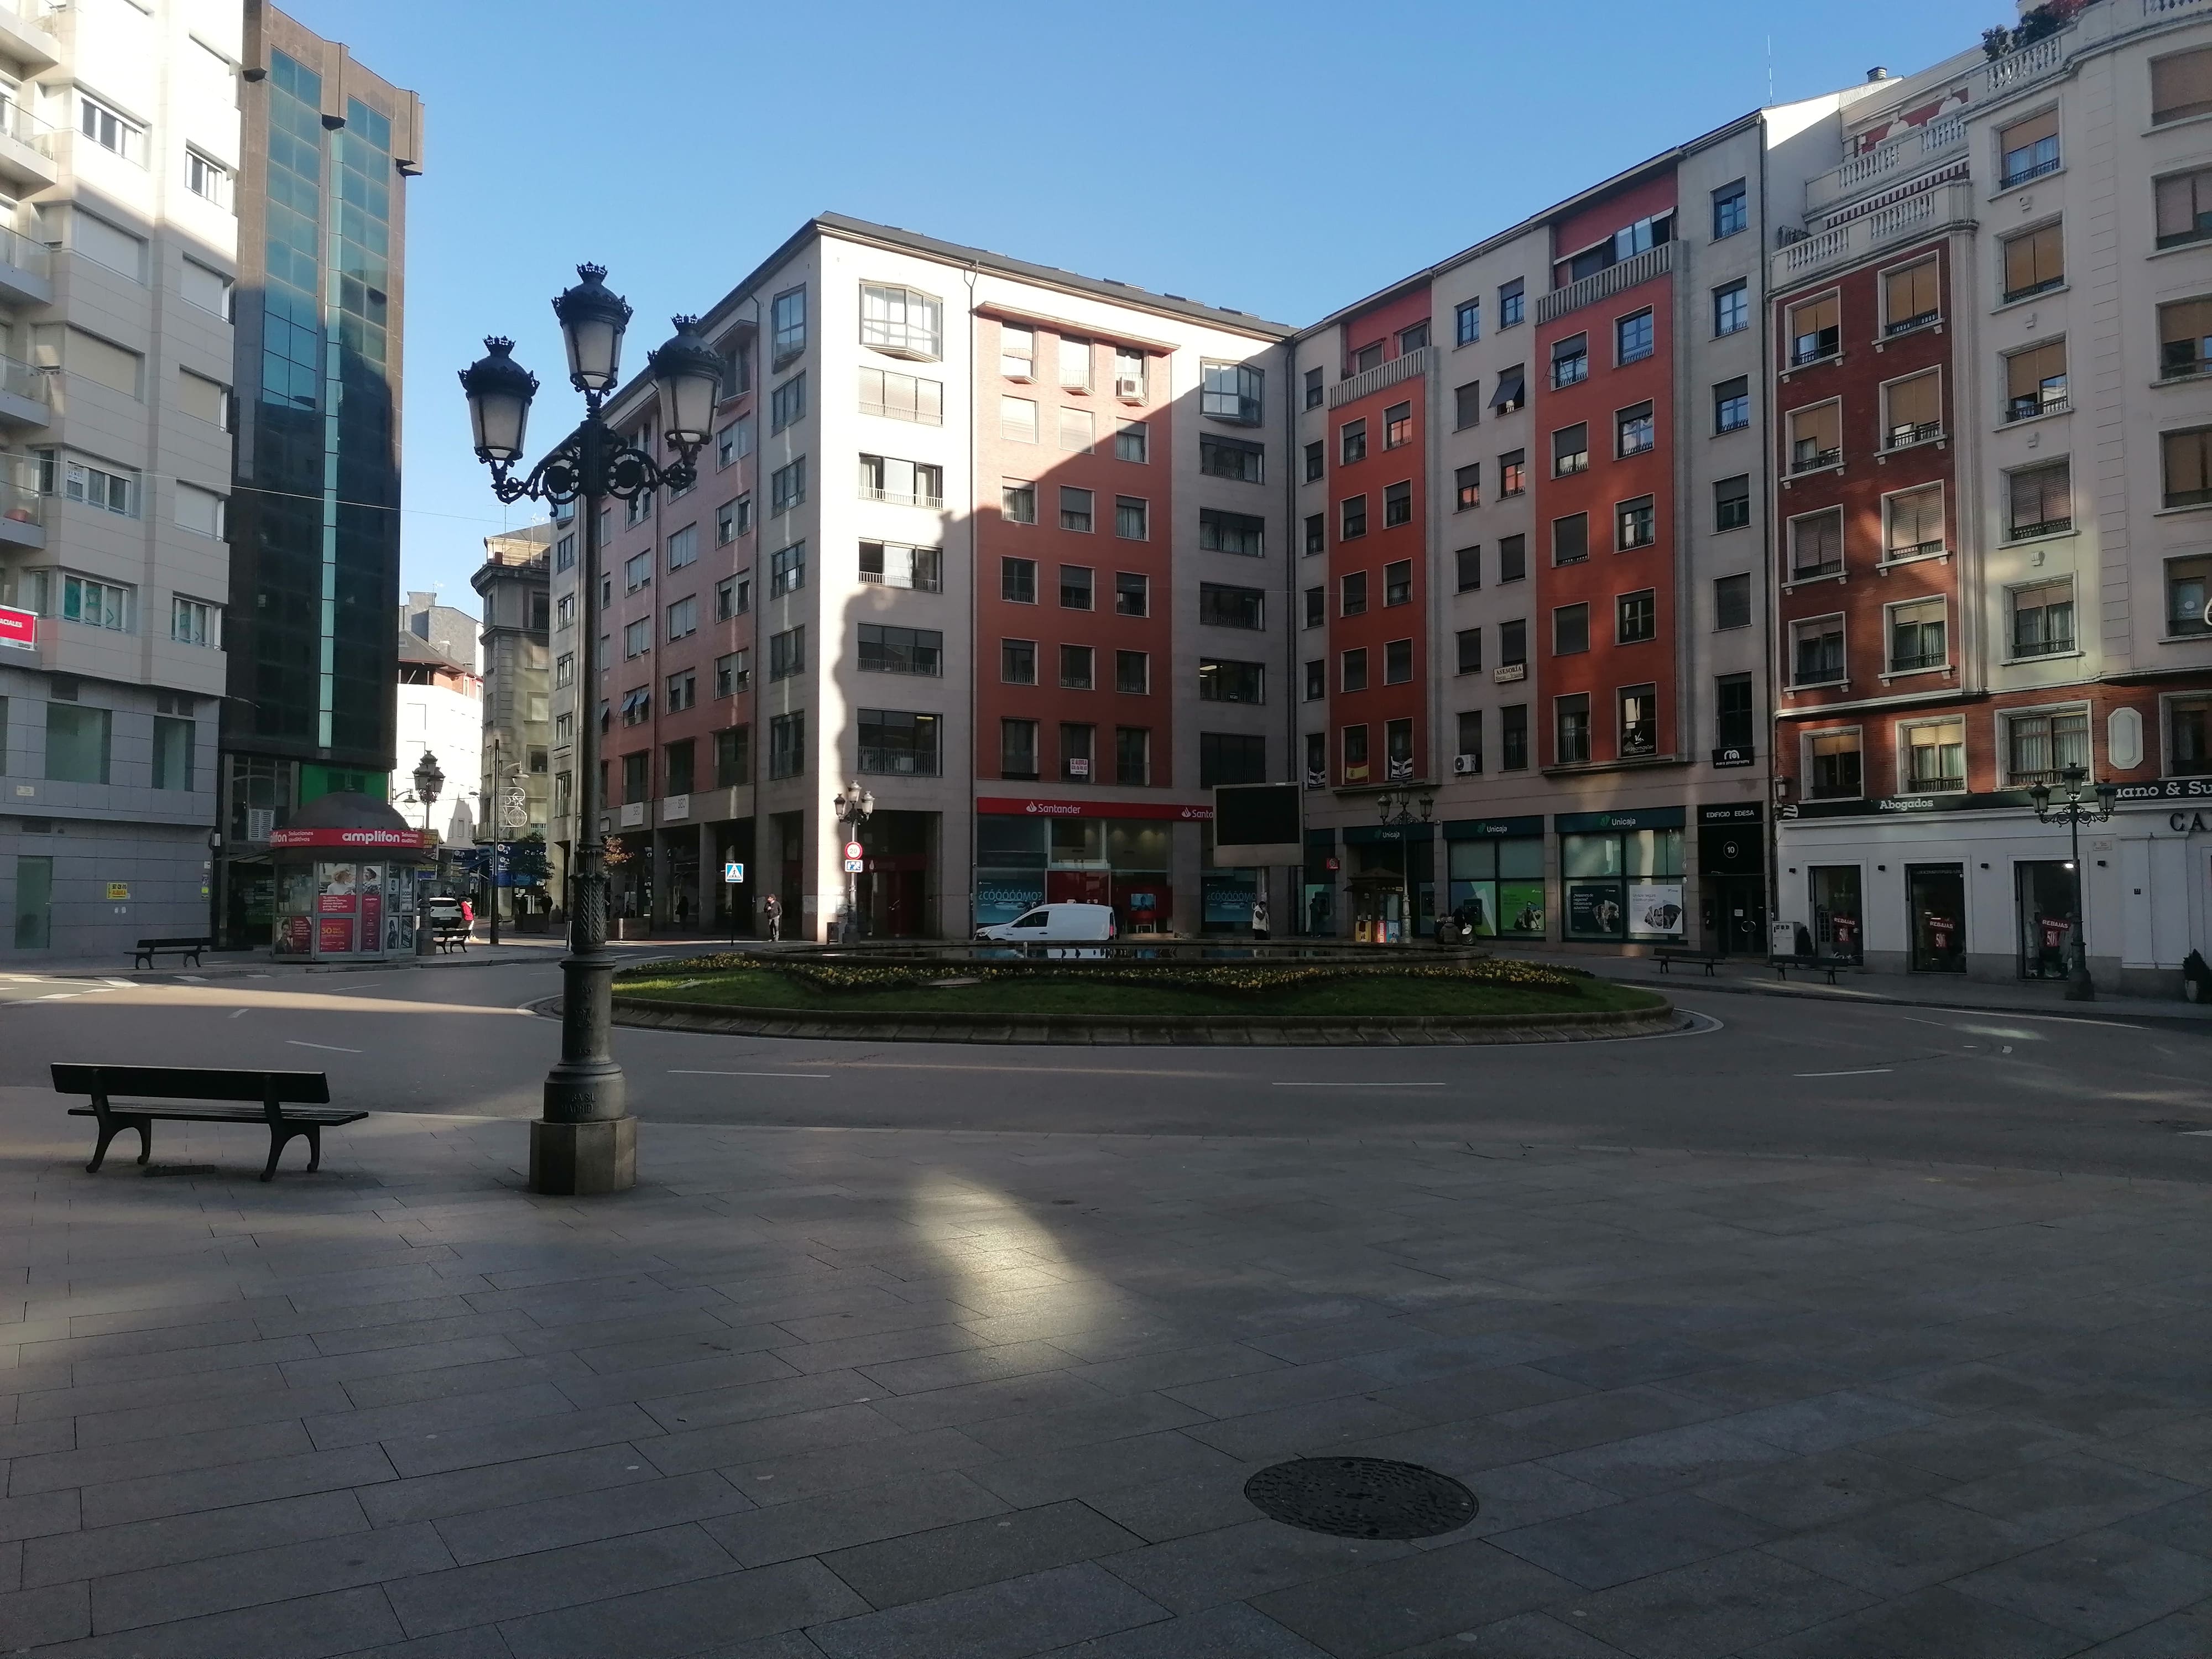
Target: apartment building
[(513, 784), (120, 140), (440, 713), (999, 543), (1991, 421)]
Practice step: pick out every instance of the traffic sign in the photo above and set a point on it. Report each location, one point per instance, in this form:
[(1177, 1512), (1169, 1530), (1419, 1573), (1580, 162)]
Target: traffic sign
[(734, 872), (853, 866), (852, 849)]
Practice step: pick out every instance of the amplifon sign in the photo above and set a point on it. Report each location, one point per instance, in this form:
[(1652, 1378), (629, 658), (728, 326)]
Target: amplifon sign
[(400, 840), (1029, 806), (19, 628)]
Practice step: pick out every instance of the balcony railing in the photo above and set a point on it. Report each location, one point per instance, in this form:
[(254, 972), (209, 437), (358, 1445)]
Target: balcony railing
[(1913, 551), (1897, 158), (2027, 407), (1631, 272), (900, 497), (2023, 532), (1901, 437), (1918, 217), (23, 253), (2027, 66), (1367, 382), (20, 379), (27, 129), (1811, 460)]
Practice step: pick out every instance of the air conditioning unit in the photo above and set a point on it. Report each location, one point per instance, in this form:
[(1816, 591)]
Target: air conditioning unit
[(1463, 764), (1128, 386)]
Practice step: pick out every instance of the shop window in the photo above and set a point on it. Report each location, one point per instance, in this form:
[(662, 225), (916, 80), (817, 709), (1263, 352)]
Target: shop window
[(1497, 885), (1833, 766), (1622, 885)]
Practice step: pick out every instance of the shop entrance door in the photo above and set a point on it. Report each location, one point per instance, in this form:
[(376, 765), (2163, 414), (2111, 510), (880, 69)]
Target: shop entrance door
[(1936, 895), (2044, 890), (1739, 928)]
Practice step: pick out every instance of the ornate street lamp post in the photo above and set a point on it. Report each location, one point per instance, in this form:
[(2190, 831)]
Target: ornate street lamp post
[(2074, 810), (586, 1140), (430, 782), (1397, 807), (853, 806)]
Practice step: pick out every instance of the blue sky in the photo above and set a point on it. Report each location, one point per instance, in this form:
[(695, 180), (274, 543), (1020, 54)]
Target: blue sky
[(1281, 158)]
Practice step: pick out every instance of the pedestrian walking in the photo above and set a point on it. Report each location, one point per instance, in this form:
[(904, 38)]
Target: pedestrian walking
[(1260, 917), (774, 909), (683, 911)]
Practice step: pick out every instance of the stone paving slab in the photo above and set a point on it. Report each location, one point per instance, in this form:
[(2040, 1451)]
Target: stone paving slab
[(856, 1394)]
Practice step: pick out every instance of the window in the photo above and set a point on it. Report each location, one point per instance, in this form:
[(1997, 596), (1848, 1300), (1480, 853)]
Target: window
[(1415, 338), (1633, 430), (733, 673), (788, 403), (1352, 672), (637, 706), (1816, 437), (1398, 582), (110, 131), (1732, 601), (684, 618), (786, 746), (1635, 524), (1571, 538), (209, 290), (1916, 637), (903, 321), (1398, 501), (1132, 672), (733, 757), (1569, 361), (1913, 409), (1913, 523), (1314, 390), (1132, 594), (95, 486), (203, 399), (1018, 502), (2035, 381), (172, 753), (1131, 371), (1833, 766), (787, 322), (890, 564), (1815, 331), (733, 520), (1317, 532), (1734, 719), (1731, 308), (1909, 297), (1231, 392), (1230, 607), (1467, 322), (901, 484), (1570, 729), (2035, 260), (1512, 558), (1732, 404), (734, 442), (637, 571), (1731, 211), (564, 552), (1075, 509), (886, 650), (683, 693), (2027, 149), (1230, 458), (1018, 749), (1569, 629), (2188, 736), (2188, 460), (1634, 337), (733, 596), (2038, 747), (2185, 335), (898, 397), (787, 487), (683, 547), (564, 669), (1075, 586), (1351, 440), (1017, 662), (193, 622), (1131, 518), (1732, 502), (1467, 492), (1397, 662), (1017, 352), (1354, 594), (1397, 426), (2042, 619), (1636, 617), (1317, 679), (1467, 405), (787, 569), (78, 743), (1817, 651), (1571, 449), (1469, 642), (1017, 420), (1512, 473), (1221, 681), (1935, 755), (1232, 533), (1132, 755), (1367, 357), (208, 179), (1637, 711), (1130, 442), (786, 653), (1077, 667), (1078, 431), (1509, 303), (1316, 461), (1512, 393), (2188, 585), (1018, 581), (2181, 86), (898, 743), (1230, 757), (1467, 750), (1816, 545), (2041, 500), (1513, 737), (1316, 600)]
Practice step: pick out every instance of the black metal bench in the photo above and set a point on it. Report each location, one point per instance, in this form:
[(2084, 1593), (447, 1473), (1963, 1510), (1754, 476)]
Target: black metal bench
[(447, 935), (1820, 961), (148, 948), (279, 1095), (1668, 958)]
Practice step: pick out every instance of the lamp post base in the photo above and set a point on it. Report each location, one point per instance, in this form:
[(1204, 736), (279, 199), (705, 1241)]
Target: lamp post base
[(579, 1160)]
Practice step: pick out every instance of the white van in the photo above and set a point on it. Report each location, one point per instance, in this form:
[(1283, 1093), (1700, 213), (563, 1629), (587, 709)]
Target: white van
[(1054, 923)]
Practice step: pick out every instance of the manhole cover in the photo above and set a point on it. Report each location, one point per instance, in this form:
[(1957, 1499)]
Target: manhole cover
[(1361, 1497)]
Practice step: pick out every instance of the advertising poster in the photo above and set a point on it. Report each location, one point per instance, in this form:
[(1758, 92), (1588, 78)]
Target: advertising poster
[(336, 937), (295, 936), (1227, 900), (338, 891), (1594, 910), (1520, 907), (1000, 899), (371, 919), (1654, 910), (1477, 900)]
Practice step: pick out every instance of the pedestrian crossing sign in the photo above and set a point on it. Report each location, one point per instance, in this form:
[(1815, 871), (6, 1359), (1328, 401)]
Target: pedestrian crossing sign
[(734, 872)]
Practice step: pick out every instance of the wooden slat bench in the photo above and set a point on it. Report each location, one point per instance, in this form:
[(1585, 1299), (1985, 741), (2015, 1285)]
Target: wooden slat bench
[(279, 1096), (189, 949), (1667, 956)]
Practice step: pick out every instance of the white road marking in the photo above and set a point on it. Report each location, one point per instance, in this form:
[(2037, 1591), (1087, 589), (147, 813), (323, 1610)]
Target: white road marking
[(677, 1070), (1362, 1086), (331, 1048), (1867, 1071), (239, 1013), (60, 996), (123, 984)]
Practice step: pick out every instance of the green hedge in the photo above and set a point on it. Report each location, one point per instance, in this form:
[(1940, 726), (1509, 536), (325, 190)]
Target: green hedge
[(1235, 979)]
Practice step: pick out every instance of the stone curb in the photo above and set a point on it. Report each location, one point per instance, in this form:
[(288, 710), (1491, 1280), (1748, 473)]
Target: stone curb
[(1157, 1030)]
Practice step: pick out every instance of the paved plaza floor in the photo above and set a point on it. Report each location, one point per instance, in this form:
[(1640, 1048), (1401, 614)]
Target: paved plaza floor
[(892, 1395)]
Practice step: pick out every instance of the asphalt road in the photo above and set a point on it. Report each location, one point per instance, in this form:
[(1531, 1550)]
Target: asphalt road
[(1761, 1074)]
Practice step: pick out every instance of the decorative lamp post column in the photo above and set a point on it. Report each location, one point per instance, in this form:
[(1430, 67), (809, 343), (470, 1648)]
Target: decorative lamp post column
[(2073, 810), (430, 783), (1397, 807), (853, 807), (587, 1139)]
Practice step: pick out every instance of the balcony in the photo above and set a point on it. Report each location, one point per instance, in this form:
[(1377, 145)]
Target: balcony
[(1919, 432), (22, 509), (26, 147), (1917, 217), (24, 394), (26, 269), (1631, 272), (1366, 384), (2029, 405), (1887, 163), (27, 42), (2018, 69), (900, 497), (1807, 459)]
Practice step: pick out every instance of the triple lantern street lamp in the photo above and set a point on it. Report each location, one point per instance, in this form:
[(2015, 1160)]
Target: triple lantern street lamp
[(1394, 807), (2075, 808), (854, 805), (430, 783), (587, 1139)]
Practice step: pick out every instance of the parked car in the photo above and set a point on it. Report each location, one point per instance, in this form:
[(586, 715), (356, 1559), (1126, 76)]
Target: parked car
[(445, 911), (1054, 923)]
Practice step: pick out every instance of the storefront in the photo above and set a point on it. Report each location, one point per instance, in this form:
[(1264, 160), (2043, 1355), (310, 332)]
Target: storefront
[(1494, 873), (1119, 853), (1317, 885), (1732, 878), (1621, 876), (1391, 889), (345, 870)]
